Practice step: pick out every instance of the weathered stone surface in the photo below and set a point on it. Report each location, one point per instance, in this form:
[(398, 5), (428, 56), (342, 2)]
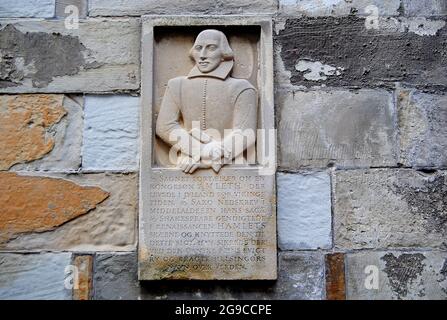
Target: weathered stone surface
[(110, 227), (400, 50), (301, 276), (348, 129), (304, 211), (27, 9), (34, 276), (391, 208), (45, 56), (314, 8), (83, 286), (424, 7), (36, 204), (110, 133), (335, 276), (26, 123), (66, 136), (62, 5), (423, 129), (401, 275), (140, 7)]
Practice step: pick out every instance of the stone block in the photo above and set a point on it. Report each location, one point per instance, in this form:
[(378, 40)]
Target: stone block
[(342, 128), (351, 51), (82, 290), (40, 132), (304, 211), (314, 8), (101, 55), (424, 7), (105, 225), (423, 129), (335, 276), (111, 133), (390, 208), (395, 275), (141, 7), (34, 276), (27, 9), (301, 276)]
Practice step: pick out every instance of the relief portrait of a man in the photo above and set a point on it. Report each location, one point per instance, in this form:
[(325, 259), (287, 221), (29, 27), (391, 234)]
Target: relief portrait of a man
[(208, 109)]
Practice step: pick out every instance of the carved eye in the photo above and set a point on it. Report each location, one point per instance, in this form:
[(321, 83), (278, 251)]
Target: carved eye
[(212, 47), (198, 48)]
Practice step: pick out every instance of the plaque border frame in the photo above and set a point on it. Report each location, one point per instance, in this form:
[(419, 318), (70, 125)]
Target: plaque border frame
[(266, 94)]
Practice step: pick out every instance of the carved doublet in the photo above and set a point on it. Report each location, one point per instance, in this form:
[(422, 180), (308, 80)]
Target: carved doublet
[(209, 100)]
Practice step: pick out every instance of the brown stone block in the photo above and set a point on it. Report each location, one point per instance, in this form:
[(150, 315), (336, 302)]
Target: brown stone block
[(335, 276), (25, 124), (38, 204), (84, 267)]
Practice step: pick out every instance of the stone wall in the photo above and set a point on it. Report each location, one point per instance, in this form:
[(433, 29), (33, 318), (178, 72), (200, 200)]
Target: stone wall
[(361, 113)]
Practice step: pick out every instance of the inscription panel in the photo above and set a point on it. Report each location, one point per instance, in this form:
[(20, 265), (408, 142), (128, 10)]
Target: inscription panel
[(210, 226)]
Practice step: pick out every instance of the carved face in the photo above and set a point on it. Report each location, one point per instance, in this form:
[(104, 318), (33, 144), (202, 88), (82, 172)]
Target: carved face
[(207, 52)]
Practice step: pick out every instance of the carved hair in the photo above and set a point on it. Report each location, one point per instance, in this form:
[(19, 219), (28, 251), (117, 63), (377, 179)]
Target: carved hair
[(227, 52)]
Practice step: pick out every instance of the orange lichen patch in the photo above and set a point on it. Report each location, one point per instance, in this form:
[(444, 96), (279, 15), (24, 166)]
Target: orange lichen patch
[(38, 204), (25, 121)]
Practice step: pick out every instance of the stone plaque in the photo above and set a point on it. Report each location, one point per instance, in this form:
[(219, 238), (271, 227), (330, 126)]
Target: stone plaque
[(207, 180)]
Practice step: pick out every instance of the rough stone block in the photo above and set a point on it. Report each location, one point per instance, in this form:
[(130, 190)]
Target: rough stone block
[(423, 129), (350, 51), (424, 7), (314, 8), (45, 56), (27, 9), (35, 204), (335, 276), (390, 208), (348, 129), (40, 132), (301, 276), (105, 225), (111, 133), (61, 7), (82, 290), (304, 211), (34, 276), (140, 7), (397, 275)]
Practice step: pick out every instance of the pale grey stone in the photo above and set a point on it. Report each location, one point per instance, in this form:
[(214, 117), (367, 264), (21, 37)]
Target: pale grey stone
[(140, 7), (304, 211), (345, 128), (100, 55), (400, 275), (62, 6), (111, 226), (315, 8), (27, 8), (424, 7), (110, 133), (423, 129), (66, 154), (34, 276), (390, 208), (301, 276)]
